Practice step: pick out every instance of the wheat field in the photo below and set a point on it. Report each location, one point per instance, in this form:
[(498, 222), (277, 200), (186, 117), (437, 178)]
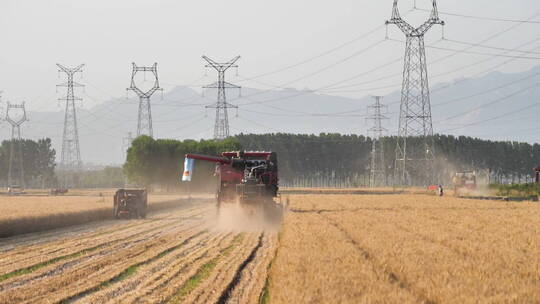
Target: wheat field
[(329, 249), (406, 249)]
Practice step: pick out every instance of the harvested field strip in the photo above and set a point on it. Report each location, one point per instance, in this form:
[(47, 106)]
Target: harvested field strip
[(211, 289), (264, 297), (67, 247), (237, 275), (35, 267), (92, 274), (204, 271), (131, 270), (252, 275), (75, 254), (80, 262), (153, 280)]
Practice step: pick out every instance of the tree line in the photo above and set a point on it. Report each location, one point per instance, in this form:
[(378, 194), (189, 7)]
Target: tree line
[(309, 160), (329, 159), (38, 162), (152, 162), (325, 159)]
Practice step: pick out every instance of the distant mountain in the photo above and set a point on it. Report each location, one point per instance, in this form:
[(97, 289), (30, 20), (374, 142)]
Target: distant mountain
[(181, 114)]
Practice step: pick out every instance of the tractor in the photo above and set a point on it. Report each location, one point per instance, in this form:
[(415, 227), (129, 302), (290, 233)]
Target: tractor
[(249, 178), (130, 203)]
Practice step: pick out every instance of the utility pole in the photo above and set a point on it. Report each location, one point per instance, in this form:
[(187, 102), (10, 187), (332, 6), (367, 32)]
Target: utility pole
[(221, 126), (144, 123), (414, 151), (377, 177), (71, 154), (16, 161)]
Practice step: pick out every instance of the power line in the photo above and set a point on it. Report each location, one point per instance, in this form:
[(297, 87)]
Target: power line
[(491, 47), (336, 63), (319, 55), (480, 53), (521, 90), (494, 118), (490, 90), (455, 52), (484, 18)]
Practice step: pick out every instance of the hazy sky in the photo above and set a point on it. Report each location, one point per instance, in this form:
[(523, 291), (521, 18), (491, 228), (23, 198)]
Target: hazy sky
[(107, 35)]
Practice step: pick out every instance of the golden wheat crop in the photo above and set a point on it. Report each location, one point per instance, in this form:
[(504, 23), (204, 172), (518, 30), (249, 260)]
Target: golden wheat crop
[(406, 249)]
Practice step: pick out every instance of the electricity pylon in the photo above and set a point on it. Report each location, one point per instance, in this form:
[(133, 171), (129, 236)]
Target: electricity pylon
[(144, 122), (71, 152), (221, 126), (16, 161), (414, 150), (377, 177)]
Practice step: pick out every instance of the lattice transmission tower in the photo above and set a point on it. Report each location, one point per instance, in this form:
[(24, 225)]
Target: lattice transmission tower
[(144, 122), (221, 126), (16, 160), (71, 153), (377, 176), (414, 151)]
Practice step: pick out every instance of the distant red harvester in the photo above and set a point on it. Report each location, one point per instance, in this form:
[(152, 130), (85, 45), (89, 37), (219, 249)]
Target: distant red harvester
[(537, 174)]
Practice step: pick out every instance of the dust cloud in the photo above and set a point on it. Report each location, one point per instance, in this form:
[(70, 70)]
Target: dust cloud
[(256, 217)]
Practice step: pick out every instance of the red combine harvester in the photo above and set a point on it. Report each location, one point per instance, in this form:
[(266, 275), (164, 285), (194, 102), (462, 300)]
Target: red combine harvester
[(247, 177), (464, 181)]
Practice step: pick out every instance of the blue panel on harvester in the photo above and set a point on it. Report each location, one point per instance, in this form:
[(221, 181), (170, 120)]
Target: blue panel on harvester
[(189, 164)]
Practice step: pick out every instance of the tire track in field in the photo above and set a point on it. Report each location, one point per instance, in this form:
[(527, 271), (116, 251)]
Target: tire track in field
[(227, 273), (205, 277), (226, 294), (254, 276), (388, 273)]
